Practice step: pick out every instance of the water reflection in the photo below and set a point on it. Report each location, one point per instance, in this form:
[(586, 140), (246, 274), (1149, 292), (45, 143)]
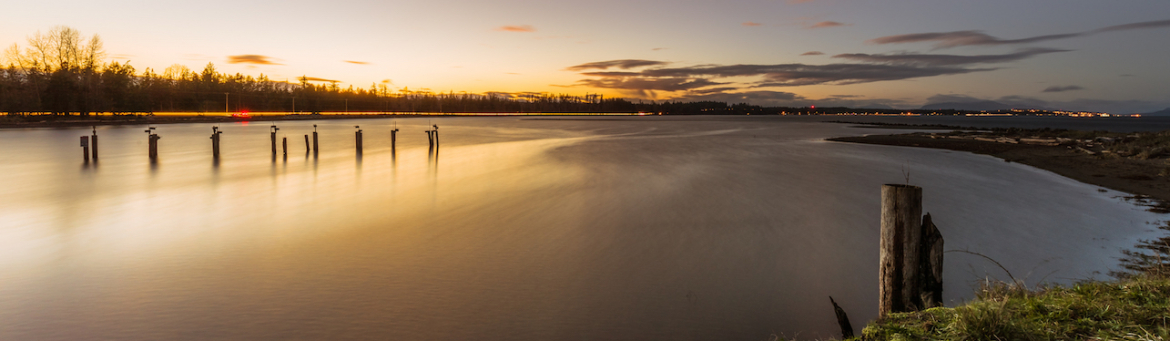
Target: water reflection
[(536, 229)]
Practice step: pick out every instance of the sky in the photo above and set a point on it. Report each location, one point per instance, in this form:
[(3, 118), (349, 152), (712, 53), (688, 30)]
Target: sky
[(1111, 56)]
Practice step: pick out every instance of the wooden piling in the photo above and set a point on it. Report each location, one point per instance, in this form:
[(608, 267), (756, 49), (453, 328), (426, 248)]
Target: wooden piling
[(393, 139), (315, 148), (85, 147), (215, 142), (154, 146), (358, 137), (94, 142), (910, 253), (285, 146), (307, 149), (931, 265), (900, 233), (272, 134)]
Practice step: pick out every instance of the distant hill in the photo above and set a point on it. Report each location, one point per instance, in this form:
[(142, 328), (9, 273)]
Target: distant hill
[(974, 105), (1164, 112)]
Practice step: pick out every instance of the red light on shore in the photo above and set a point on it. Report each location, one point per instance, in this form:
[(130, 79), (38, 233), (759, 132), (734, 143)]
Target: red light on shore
[(812, 107)]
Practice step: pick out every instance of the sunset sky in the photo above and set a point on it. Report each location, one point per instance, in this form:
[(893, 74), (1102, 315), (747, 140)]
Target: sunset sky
[(1058, 54)]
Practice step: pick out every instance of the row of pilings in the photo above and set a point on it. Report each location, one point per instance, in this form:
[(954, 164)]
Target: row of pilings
[(89, 143)]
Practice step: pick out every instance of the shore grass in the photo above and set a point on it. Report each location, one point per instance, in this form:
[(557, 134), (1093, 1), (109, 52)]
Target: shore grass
[(1133, 308)]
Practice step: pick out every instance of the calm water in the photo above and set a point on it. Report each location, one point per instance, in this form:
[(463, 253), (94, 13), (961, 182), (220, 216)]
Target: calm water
[(634, 228)]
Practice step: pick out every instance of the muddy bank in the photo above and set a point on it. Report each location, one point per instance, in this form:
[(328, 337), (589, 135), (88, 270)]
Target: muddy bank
[(1150, 178)]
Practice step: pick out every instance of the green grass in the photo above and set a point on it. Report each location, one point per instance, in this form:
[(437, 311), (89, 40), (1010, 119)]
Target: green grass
[(1133, 308)]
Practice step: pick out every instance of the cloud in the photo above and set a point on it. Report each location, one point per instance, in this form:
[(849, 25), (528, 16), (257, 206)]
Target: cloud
[(1136, 26), (812, 53), (387, 81), (779, 75), (751, 24), (658, 49), (659, 84), (251, 59), (315, 79), (826, 24), (799, 1), (354, 62), (945, 59), (975, 38), (516, 28), (845, 74), (1063, 88), (624, 64)]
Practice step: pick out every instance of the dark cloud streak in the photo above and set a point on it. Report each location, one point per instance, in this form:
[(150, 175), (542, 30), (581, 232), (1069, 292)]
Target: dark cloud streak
[(945, 59), (251, 59), (976, 38), (624, 64)]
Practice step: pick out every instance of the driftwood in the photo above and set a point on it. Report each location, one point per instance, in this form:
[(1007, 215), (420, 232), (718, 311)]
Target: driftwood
[(842, 320)]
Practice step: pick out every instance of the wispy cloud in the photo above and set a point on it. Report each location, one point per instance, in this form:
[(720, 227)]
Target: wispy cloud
[(315, 79), (974, 38), (660, 84), (751, 24), (624, 64), (826, 24), (1063, 88), (356, 62), (945, 59), (812, 53), (251, 59), (516, 28)]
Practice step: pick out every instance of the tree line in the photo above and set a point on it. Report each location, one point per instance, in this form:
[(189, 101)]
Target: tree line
[(63, 73)]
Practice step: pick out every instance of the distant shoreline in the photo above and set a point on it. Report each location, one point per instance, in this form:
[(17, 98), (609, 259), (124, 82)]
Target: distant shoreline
[(1145, 178), (108, 120)]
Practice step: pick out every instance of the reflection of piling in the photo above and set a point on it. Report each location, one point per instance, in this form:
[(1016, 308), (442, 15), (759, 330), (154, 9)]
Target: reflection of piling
[(93, 142), (910, 253), (215, 142), (152, 139), (315, 148), (272, 130), (358, 137), (85, 147)]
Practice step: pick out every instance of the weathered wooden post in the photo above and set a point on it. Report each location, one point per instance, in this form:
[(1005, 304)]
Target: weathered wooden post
[(315, 148), (85, 147), (307, 149), (272, 130), (436, 133), (910, 253), (215, 142), (152, 140), (285, 146), (931, 266), (93, 141), (393, 140), (430, 139), (358, 136)]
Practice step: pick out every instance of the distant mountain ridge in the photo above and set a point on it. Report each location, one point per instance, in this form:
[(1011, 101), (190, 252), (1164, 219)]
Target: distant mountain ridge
[(1164, 112)]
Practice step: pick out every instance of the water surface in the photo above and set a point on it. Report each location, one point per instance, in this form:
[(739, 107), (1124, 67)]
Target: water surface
[(628, 228)]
